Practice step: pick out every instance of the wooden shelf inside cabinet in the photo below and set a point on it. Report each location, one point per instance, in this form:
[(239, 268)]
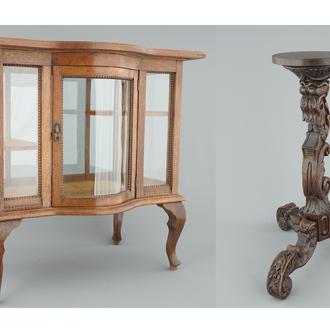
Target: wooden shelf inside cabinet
[(105, 113), (87, 161), (19, 145), (156, 113)]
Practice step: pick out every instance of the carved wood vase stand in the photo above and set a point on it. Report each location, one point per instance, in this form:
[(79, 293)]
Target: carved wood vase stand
[(89, 128), (310, 222)]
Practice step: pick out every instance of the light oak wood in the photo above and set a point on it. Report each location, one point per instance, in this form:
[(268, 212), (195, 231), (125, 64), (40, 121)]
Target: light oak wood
[(124, 49), (96, 59), (99, 210), (18, 145), (5, 229), (175, 148), (23, 57), (56, 145), (46, 136), (140, 134), (117, 223), (74, 194), (177, 219), (2, 202)]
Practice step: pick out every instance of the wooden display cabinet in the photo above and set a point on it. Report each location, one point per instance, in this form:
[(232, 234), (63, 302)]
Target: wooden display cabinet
[(89, 128)]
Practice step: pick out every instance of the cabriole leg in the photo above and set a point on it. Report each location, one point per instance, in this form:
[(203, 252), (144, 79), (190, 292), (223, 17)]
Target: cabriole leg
[(5, 229), (177, 219), (117, 222)]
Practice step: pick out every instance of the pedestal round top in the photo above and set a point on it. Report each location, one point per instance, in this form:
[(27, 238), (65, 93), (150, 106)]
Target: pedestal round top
[(297, 59)]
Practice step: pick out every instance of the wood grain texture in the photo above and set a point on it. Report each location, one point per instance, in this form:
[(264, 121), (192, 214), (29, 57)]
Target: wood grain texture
[(27, 57), (46, 137), (2, 201), (5, 229), (96, 59), (140, 134), (176, 129), (124, 49), (55, 60), (57, 147), (177, 219), (312, 221), (92, 210), (279, 284)]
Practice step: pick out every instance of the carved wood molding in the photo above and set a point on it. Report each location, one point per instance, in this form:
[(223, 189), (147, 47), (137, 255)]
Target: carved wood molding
[(6, 228), (314, 88), (279, 284)]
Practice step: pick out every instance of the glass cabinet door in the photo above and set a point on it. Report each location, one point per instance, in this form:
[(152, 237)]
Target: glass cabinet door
[(96, 129)]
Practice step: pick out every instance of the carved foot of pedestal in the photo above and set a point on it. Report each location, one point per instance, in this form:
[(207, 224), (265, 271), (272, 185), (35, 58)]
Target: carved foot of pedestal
[(5, 229), (177, 219), (283, 215), (279, 283), (117, 222)]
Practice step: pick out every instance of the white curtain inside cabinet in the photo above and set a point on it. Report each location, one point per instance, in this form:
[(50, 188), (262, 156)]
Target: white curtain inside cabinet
[(108, 145)]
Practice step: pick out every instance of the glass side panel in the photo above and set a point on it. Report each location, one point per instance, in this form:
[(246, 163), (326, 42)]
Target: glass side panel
[(95, 136), (156, 128), (21, 146)]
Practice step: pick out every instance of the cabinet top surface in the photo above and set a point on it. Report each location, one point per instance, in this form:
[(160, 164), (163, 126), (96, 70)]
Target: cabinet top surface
[(85, 46), (317, 58)]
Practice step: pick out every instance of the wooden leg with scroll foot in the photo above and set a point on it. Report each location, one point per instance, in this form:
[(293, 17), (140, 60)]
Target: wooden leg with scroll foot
[(177, 219), (279, 284), (117, 222), (5, 229)]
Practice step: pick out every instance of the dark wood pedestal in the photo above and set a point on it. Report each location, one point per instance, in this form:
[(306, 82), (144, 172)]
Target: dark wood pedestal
[(310, 222)]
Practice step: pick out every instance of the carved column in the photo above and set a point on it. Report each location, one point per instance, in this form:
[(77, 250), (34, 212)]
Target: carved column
[(311, 222), (314, 87)]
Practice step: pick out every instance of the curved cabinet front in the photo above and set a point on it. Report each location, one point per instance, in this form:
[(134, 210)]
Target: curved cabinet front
[(109, 142), (94, 119)]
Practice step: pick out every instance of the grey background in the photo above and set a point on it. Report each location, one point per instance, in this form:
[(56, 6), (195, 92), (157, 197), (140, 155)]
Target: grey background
[(71, 261), (259, 137)]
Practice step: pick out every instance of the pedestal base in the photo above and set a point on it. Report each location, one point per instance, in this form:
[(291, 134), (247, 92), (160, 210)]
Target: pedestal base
[(279, 284)]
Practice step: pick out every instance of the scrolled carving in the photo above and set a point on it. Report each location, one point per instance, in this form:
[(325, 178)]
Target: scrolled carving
[(315, 110), (279, 284), (283, 215), (314, 106)]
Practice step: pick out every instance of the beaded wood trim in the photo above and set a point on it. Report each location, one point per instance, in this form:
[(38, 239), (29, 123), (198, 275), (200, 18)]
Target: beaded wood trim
[(130, 138), (23, 207), (11, 208)]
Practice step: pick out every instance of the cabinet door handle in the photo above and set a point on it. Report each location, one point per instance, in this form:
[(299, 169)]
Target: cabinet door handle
[(57, 132)]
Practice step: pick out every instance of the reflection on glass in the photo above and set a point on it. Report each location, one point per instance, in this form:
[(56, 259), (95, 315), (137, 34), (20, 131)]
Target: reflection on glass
[(95, 136), (156, 129), (21, 98)]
